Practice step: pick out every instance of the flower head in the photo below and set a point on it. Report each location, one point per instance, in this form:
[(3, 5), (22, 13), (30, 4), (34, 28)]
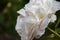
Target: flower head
[(35, 17)]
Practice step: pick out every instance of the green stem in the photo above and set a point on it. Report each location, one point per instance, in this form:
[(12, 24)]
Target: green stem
[(57, 23), (53, 31)]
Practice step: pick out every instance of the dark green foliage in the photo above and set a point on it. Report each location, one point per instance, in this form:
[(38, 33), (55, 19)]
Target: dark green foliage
[(3, 4)]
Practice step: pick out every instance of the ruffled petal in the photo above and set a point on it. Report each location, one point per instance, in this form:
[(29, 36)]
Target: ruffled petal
[(53, 18), (57, 5), (18, 25), (22, 12), (44, 23)]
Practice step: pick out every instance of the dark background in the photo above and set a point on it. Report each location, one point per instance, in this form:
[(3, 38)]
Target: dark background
[(8, 16)]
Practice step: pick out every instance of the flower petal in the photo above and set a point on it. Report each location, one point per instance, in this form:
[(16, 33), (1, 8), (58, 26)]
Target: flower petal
[(18, 25), (57, 5), (53, 19), (44, 23), (22, 12)]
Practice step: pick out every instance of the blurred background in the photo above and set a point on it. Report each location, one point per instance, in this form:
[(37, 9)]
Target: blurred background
[(8, 16)]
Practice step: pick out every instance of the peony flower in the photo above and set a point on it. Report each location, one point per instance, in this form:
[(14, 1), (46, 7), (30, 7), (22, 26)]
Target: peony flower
[(35, 17)]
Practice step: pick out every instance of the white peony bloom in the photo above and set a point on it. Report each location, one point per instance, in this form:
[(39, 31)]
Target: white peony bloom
[(35, 17)]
